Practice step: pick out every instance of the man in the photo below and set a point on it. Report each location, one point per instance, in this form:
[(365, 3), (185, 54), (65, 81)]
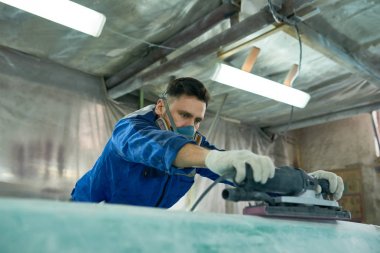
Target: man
[(154, 153)]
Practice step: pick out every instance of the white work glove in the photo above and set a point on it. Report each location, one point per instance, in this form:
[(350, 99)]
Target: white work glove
[(335, 181), (222, 162)]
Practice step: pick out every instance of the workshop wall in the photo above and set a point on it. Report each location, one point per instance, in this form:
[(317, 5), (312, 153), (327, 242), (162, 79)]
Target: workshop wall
[(346, 147)]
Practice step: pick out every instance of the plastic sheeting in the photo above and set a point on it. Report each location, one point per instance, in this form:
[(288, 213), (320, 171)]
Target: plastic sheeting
[(331, 85), (131, 28), (333, 75), (54, 122)]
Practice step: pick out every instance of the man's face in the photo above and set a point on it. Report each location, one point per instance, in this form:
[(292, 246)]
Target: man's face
[(186, 111)]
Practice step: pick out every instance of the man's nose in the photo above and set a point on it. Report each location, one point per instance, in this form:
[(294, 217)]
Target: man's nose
[(193, 124), (188, 122), (188, 125)]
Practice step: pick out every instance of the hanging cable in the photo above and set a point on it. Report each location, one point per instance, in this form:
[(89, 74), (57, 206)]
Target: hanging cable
[(140, 40), (299, 70), (218, 180), (281, 18), (289, 121), (274, 13), (300, 47), (291, 22)]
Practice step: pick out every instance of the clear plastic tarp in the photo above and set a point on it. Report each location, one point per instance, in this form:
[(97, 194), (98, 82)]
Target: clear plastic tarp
[(55, 121)]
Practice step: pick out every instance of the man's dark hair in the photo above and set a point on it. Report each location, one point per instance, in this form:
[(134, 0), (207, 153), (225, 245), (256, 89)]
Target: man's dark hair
[(188, 86)]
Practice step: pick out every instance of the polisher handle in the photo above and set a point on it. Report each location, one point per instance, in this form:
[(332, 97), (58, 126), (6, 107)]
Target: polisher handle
[(325, 185), (286, 181)]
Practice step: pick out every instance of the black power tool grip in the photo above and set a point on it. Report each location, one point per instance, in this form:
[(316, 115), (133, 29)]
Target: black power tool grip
[(287, 181), (325, 185)]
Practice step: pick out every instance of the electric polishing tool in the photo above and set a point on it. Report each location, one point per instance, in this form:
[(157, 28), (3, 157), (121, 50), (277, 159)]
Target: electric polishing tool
[(291, 193)]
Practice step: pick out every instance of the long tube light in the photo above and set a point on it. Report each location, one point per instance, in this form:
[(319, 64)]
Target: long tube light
[(261, 86), (64, 12)]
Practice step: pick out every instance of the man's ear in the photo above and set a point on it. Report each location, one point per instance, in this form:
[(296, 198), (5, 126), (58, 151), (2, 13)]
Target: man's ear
[(160, 107)]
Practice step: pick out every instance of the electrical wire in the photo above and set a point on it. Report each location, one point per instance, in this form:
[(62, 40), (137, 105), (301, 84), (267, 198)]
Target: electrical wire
[(218, 180), (281, 18), (300, 47), (289, 121), (299, 71), (291, 22), (274, 13), (140, 40)]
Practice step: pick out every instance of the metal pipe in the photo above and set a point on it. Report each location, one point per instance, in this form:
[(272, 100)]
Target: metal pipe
[(183, 37)]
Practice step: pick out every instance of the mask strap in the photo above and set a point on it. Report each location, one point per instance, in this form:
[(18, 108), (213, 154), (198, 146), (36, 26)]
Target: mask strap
[(169, 115)]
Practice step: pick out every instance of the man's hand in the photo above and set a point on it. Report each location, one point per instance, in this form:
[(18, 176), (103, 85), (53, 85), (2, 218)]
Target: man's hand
[(222, 162), (336, 182)]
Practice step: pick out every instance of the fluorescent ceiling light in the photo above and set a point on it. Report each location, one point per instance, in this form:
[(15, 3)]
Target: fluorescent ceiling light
[(246, 81), (64, 12)]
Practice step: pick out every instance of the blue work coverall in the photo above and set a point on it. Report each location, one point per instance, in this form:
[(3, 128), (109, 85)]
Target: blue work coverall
[(136, 165)]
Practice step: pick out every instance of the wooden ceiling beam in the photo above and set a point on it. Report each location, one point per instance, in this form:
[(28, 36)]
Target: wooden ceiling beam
[(251, 59)]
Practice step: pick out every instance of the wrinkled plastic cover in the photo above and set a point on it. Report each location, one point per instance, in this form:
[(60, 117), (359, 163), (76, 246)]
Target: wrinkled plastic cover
[(54, 123), (131, 28)]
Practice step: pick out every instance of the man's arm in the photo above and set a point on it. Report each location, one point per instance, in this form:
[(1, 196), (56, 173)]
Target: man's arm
[(223, 162), (191, 155), (140, 141)]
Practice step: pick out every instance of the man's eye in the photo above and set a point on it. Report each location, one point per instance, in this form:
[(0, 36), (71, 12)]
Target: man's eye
[(185, 115)]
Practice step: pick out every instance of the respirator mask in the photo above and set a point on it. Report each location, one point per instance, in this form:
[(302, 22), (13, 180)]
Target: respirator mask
[(187, 131)]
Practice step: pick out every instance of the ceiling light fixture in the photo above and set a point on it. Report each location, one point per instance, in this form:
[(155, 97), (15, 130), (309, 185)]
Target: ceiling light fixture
[(261, 86), (64, 12)]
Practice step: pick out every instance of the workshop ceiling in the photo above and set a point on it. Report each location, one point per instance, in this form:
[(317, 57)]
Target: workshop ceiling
[(145, 43)]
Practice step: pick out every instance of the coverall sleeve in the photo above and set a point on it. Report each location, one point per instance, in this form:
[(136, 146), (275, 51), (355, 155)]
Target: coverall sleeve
[(138, 140)]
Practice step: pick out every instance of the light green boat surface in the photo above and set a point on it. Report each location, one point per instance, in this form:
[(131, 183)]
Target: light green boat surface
[(48, 226)]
